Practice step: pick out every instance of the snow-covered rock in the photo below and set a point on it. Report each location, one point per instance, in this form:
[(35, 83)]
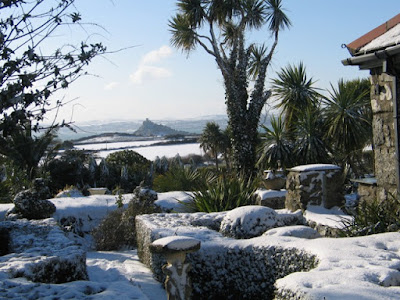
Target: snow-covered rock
[(40, 252)]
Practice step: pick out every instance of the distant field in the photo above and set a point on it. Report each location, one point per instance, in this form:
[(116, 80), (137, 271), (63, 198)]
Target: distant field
[(149, 152), (117, 145)]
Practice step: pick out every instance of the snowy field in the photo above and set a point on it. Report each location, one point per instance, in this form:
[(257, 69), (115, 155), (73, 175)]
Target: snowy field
[(116, 145), (169, 151)]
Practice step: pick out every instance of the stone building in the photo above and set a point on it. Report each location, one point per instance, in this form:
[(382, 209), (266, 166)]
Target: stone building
[(379, 52)]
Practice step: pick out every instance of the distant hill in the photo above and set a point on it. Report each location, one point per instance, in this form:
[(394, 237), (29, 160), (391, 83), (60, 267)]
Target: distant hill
[(150, 128)]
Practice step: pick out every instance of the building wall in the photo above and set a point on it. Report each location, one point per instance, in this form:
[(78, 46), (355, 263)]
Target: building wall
[(382, 94)]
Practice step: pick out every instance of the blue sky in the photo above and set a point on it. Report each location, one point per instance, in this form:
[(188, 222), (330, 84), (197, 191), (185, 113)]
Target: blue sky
[(154, 80)]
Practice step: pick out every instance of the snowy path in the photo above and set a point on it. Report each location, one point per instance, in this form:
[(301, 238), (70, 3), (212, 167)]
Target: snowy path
[(124, 267)]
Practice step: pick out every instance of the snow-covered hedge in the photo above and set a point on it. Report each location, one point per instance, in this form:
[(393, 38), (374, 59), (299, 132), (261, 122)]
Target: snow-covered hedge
[(40, 252), (246, 270), (284, 263)]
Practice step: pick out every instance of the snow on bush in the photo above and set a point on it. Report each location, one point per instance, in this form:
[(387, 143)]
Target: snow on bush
[(40, 252), (223, 268), (248, 221), (299, 231)]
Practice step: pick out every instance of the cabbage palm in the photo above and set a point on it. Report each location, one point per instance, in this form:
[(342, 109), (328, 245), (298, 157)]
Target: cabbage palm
[(310, 145), (226, 24), (212, 140), (275, 148), (348, 118), (295, 92)]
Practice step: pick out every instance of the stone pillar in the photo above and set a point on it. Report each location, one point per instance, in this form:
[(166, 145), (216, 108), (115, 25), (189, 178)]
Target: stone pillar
[(382, 97), (177, 283), (318, 184)]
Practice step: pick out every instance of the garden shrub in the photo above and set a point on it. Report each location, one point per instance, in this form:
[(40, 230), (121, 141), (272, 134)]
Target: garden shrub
[(118, 229), (180, 178), (71, 168), (127, 169), (373, 217), (226, 192)]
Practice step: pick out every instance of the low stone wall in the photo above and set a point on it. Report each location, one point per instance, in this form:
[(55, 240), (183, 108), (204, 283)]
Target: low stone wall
[(315, 185), (223, 268), (40, 252)]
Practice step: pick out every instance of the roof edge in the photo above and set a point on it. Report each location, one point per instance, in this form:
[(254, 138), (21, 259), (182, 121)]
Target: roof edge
[(354, 46)]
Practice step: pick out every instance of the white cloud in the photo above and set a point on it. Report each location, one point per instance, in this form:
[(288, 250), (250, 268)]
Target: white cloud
[(111, 86), (145, 73), (157, 55), (147, 70)]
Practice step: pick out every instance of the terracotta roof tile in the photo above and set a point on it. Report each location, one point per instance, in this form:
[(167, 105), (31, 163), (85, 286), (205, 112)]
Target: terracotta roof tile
[(373, 34)]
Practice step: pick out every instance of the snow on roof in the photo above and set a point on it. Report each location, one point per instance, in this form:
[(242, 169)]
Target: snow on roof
[(314, 167), (389, 38)]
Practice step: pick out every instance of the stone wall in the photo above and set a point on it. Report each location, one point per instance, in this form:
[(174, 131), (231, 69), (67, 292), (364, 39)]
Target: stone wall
[(382, 95), (314, 185)]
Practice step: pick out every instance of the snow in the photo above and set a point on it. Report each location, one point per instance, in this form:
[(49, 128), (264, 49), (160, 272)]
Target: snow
[(116, 145), (314, 167), (176, 243), (389, 38), (329, 217), (112, 275), (265, 194), (172, 201), (348, 268), (168, 151)]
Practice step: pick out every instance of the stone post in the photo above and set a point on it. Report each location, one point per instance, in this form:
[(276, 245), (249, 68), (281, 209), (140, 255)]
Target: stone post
[(177, 283)]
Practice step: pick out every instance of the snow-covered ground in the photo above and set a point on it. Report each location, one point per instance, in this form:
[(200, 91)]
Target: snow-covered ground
[(151, 152), (119, 275), (116, 145)]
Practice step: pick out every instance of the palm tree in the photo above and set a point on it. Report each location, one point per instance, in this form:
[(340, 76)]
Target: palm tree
[(348, 118), (276, 149), (226, 25), (310, 146), (27, 151), (212, 140), (295, 92)]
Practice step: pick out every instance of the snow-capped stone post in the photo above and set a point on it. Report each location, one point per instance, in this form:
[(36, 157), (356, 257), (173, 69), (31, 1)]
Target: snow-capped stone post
[(315, 184), (177, 283)]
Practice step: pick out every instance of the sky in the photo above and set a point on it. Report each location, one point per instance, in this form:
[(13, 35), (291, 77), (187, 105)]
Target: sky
[(151, 79)]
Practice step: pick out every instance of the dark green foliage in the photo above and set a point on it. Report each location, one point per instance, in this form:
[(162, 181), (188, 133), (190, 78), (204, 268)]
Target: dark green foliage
[(118, 229), (295, 92), (225, 192), (348, 118), (276, 149), (310, 145), (181, 179), (71, 168), (127, 169), (374, 217), (212, 140)]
